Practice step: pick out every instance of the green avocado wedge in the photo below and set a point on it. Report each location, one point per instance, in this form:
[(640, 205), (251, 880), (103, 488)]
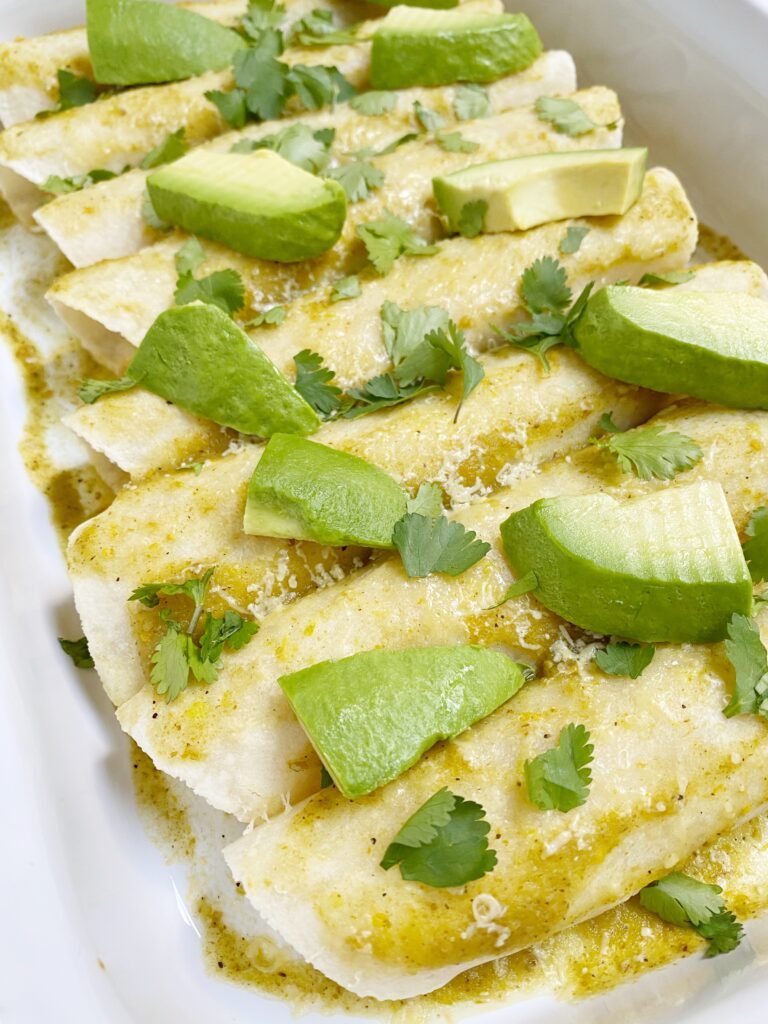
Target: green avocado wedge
[(666, 566), (423, 47), (257, 203), (372, 715), (135, 42), (198, 358), (711, 345), (526, 191), (307, 491)]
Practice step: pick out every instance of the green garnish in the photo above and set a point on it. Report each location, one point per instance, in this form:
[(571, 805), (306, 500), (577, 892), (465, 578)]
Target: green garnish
[(429, 119), (62, 186), (222, 288), (443, 844), (623, 659), (261, 14), (682, 900), (746, 652), (74, 91), (171, 148), (313, 384), (304, 147), (472, 218), (664, 280), (374, 103), (430, 544), (77, 651), (428, 501), (565, 116), (382, 392), (559, 779), (522, 586), (388, 238), (471, 102), (403, 330), (573, 238), (346, 288), (179, 654), (648, 452), (357, 178), (91, 390), (454, 142), (317, 29), (271, 317), (756, 547)]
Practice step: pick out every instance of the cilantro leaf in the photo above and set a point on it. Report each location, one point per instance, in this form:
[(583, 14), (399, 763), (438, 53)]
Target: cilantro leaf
[(756, 547), (230, 632), (170, 664), (682, 900), (262, 78), (565, 116), (471, 102), (429, 119), (189, 257), (317, 29), (379, 393), (313, 383), (374, 102), (623, 659), (230, 104), (607, 424), (428, 501), (436, 544), (472, 218), (357, 178), (544, 286), (746, 652), (404, 330), (346, 288), (171, 148), (195, 588), (301, 145), (271, 317), (652, 452), (222, 288), (74, 90), (91, 390), (453, 343), (62, 186), (664, 280), (408, 137), (537, 344), (319, 86), (389, 238), (261, 15), (443, 844), (77, 651), (454, 142), (522, 586), (559, 779), (574, 236)]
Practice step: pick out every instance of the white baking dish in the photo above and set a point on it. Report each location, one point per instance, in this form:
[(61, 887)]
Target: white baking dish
[(82, 886)]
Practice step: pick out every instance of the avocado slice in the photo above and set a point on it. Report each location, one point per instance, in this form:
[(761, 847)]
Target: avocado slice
[(132, 42), (667, 566), (256, 203), (526, 191), (308, 491), (372, 715), (711, 345), (198, 358), (433, 47)]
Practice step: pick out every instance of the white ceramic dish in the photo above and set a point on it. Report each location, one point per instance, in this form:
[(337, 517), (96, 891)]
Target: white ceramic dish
[(82, 886)]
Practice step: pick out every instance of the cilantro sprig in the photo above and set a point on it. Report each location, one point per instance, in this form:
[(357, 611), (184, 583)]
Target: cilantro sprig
[(471, 102), (74, 91), (313, 382), (443, 844), (388, 238), (566, 116), (173, 146), (91, 389), (358, 177), (318, 29), (747, 654), (682, 900), (179, 655), (648, 452), (57, 186), (308, 148), (428, 544), (222, 288), (78, 651), (625, 659), (545, 295), (559, 779)]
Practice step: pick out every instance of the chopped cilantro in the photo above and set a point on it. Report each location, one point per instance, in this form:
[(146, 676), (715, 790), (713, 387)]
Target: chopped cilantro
[(222, 288), (453, 343), (397, 143), (357, 178), (189, 257), (428, 501), (91, 390), (271, 317), (430, 544), (429, 119), (74, 91), (230, 104), (682, 900), (301, 145), (374, 103), (346, 288), (471, 102), (522, 586), (623, 659), (171, 148), (559, 779), (574, 236), (381, 392), (317, 29), (313, 383), (756, 546), (261, 14), (565, 116), (472, 218), (389, 238), (443, 844), (61, 186), (319, 86), (230, 632), (650, 452), (454, 142), (404, 330), (77, 651), (544, 286), (746, 652), (664, 280)]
